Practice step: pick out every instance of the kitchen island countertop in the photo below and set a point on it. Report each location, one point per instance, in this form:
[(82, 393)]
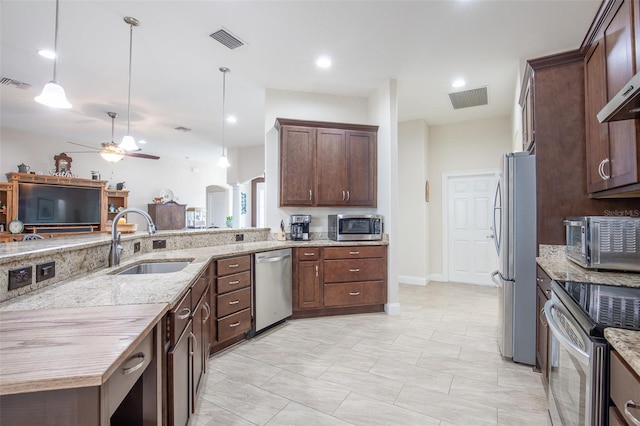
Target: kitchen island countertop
[(627, 343)]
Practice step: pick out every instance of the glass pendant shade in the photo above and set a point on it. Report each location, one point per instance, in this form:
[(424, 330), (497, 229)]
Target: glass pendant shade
[(53, 96), (223, 161), (129, 144)]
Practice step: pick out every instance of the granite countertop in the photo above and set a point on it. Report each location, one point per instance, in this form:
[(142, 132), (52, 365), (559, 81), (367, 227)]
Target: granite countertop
[(70, 348), (102, 288), (627, 343), (554, 262)]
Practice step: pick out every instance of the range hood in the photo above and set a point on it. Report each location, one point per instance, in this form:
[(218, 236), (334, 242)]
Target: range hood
[(625, 105)]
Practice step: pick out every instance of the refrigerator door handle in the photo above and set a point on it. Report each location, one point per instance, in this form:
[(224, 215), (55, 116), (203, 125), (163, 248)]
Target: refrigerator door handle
[(497, 198), (494, 274)]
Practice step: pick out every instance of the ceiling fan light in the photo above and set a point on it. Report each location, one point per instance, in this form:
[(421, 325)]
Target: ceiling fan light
[(111, 156), (223, 161), (53, 96), (129, 144)]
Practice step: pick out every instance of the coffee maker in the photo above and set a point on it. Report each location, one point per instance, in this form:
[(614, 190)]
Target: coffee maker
[(300, 227)]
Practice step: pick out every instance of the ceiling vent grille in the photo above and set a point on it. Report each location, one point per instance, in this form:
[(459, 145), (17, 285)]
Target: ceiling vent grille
[(469, 98), (227, 39), (14, 83)]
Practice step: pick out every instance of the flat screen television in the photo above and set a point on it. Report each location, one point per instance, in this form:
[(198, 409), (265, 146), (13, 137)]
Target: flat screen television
[(41, 204)]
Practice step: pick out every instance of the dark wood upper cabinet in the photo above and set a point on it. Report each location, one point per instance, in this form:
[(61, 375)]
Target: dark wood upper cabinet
[(613, 149), (327, 164)]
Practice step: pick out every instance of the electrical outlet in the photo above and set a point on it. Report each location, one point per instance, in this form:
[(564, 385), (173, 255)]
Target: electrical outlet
[(44, 271), (239, 237), (136, 247), (20, 277), (159, 244)]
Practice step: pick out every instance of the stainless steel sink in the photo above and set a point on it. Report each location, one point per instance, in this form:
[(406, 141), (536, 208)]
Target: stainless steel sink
[(154, 268)]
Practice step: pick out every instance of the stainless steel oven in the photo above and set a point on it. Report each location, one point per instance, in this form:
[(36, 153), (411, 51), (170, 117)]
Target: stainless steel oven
[(577, 314)]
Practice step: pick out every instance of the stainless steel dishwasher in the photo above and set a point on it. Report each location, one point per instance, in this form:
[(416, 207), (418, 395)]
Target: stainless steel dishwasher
[(272, 287)]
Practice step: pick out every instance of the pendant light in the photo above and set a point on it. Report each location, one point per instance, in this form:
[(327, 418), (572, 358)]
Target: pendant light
[(110, 151), (128, 143), (53, 94), (223, 161)]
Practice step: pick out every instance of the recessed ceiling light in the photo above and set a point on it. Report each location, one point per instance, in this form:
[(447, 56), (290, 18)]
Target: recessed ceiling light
[(458, 83), (323, 62), (47, 53), (232, 119)]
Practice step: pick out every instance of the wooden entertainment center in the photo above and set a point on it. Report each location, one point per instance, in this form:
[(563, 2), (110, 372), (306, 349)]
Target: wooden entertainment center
[(9, 196)]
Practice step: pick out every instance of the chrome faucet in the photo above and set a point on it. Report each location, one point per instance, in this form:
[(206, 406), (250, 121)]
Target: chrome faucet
[(116, 247)]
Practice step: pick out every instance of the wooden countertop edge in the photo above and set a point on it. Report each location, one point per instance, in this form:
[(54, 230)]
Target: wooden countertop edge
[(19, 378)]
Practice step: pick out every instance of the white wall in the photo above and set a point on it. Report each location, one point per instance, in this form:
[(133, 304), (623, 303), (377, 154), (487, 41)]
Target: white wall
[(413, 212), (466, 146), (144, 179)]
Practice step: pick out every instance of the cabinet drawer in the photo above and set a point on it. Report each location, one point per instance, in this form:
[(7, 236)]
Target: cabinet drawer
[(615, 418), (234, 282), (233, 265), (234, 301), (234, 324), (128, 373), (354, 294), (311, 253), (354, 252), (624, 386), (198, 289), (179, 318), (336, 271)]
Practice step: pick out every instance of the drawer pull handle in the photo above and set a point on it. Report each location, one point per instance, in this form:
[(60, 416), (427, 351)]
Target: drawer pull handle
[(631, 417), (235, 265), (309, 254), (354, 293), (354, 270), (354, 252), (184, 313), (234, 282), (235, 324), (137, 366), (234, 302)]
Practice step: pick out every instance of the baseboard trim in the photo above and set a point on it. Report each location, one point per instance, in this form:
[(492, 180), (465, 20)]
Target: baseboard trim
[(404, 279), (392, 308), (438, 277)]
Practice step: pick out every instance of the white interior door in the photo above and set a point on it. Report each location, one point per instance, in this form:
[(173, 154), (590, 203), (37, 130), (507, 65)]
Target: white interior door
[(472, 255)]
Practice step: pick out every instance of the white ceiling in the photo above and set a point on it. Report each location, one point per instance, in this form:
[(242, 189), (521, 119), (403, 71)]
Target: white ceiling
[(175, 77)]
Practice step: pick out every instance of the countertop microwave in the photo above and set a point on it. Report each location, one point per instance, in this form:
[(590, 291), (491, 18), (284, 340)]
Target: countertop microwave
[(604, 242), (344, 227)]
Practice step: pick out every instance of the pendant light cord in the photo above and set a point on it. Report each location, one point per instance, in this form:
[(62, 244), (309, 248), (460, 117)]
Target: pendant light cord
[(55, 46), (129, 95), (224, 90)]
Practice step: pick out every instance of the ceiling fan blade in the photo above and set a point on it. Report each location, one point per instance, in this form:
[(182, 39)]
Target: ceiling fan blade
[(141, 155), (79, 144), (82, 152)]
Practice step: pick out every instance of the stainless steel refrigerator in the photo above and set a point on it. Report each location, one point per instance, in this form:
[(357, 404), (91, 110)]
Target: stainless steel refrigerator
[(515, 238)]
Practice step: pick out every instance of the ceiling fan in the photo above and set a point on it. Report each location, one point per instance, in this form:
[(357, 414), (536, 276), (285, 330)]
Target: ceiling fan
[(110, 150)]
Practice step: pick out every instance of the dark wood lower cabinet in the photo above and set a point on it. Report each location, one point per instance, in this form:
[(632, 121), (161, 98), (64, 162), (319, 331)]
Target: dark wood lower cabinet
[(339, 280), (179, 362), (543, 293)]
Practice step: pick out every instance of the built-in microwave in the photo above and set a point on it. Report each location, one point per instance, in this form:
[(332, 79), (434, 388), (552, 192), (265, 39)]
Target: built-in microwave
[(343, 227), (604, 242)]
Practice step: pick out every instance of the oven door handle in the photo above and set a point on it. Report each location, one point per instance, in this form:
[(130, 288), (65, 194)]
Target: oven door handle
[(555, 329)]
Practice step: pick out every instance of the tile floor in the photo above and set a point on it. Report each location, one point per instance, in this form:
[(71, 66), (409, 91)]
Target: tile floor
[(437, 363)]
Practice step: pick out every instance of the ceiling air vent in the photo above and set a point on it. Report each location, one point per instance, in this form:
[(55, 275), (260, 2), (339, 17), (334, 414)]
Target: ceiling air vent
[(14, 83), (182, 129), (469, 98), (226, 38)]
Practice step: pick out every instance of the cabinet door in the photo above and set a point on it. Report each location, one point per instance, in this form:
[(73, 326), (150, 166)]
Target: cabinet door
[(597, 134), (200, 346), (179, 369), (297, 165), (331, 168), (361, 151), (308, 281), (528, 132), (622, 167)]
